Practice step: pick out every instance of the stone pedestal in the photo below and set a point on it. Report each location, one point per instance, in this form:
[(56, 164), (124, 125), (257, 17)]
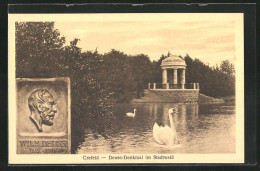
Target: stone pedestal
[(198, 86), (154, 85), (167, 86)]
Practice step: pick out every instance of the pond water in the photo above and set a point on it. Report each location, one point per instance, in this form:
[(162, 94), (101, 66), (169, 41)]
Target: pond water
[(201, 128)]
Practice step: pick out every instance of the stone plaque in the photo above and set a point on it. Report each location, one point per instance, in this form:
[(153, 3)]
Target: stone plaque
[(43, 116)]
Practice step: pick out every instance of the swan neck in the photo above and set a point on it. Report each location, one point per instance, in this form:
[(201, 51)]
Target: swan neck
[(171, 120)]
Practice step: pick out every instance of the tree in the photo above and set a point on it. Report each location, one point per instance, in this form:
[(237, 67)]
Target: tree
[(142, 72), (115, 75), (40, 53), (125, 75), (213, 81), (38, 46), (227, 68)]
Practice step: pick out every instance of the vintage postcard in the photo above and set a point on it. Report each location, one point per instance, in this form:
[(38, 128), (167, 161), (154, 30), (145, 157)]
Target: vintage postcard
[(133, 88)]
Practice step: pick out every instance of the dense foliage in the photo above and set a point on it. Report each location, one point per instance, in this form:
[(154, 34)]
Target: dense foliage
[(125, 76), (99, 79), (40, 53), (214, 81)]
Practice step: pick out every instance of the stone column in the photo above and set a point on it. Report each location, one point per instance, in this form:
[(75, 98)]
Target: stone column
[(164, 76), (149, 85), (175, 79), (198, 86), (183, 79)]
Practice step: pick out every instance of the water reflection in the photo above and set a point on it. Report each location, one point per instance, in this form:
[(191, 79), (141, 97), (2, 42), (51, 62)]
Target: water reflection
[(179, 119), (200, 128)]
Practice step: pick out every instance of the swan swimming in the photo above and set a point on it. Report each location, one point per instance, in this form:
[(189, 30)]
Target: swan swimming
[(166, 135), (132, 115)]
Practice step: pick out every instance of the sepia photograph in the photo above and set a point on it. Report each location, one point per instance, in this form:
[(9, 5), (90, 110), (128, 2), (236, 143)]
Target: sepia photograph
[(126, 88)]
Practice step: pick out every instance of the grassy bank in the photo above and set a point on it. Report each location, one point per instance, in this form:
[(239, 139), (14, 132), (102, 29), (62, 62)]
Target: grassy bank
[(229, 99), (203, 99)]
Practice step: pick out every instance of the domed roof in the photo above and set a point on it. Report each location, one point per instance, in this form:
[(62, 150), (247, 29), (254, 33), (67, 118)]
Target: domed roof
[(173, 61)]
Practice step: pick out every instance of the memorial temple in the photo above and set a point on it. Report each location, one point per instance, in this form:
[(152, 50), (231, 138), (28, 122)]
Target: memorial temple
[(173, 87)]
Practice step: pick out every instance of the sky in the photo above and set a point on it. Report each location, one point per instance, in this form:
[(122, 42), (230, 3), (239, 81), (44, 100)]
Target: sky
[(211, 40)]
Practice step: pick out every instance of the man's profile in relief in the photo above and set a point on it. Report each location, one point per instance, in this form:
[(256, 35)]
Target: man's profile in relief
[(42, 107)]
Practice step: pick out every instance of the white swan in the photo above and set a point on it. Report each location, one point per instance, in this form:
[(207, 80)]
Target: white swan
[(132, 115), (166, 135)]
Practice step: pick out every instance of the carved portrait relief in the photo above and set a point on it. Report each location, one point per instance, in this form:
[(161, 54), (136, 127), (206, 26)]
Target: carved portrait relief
[(42, 107), (43, 115)]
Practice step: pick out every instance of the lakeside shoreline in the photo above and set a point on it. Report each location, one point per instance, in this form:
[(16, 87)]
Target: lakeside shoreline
[(203, 99), (150, 97)]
